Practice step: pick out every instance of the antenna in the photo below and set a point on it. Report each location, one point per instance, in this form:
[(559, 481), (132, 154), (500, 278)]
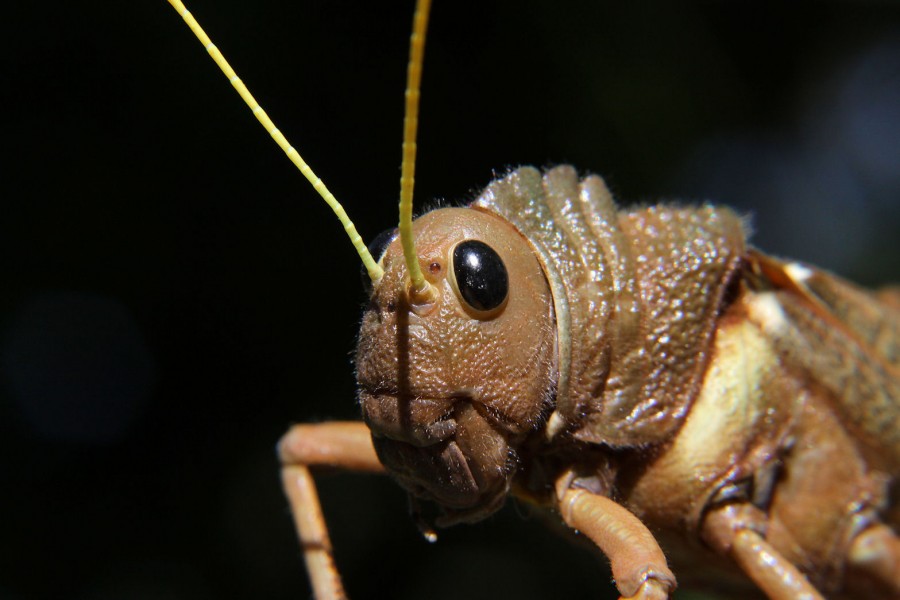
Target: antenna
[(420, 291), (374, 270)]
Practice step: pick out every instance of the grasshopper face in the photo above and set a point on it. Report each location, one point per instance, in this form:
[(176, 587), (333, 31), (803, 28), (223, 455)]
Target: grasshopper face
[(450, 389)]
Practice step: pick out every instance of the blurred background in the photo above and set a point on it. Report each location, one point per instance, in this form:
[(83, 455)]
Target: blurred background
[(175, 295)]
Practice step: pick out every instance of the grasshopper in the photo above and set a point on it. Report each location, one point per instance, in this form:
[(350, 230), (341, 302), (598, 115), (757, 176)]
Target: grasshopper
[(625, 370)]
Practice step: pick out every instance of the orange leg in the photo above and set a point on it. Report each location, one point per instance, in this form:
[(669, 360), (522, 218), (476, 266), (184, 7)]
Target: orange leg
[(638, 564), (876, 551), (733, 530), (347, 445)]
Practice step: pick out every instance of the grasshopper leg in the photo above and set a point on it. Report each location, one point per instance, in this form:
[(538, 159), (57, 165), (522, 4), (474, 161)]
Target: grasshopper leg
[(638, 564), (733, 530), (876, 551), (347, 445)]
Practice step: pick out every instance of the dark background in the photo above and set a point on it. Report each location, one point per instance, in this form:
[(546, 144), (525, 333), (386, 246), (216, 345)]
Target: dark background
[(175, 295)]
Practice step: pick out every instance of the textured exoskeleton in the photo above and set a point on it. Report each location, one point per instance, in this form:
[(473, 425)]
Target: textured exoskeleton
[(630, 371)]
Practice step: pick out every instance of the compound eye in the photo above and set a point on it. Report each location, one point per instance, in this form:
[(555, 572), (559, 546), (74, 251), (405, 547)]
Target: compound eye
[(480, 276), (377, 248)]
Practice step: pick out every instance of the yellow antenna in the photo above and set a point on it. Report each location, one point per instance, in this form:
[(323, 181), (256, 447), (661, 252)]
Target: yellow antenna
[(375, 271), (420, 290)]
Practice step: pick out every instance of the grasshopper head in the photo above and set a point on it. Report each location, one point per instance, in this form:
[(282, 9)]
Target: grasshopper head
[(450, 387)]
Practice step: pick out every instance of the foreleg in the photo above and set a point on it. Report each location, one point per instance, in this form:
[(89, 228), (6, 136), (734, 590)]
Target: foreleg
[(341, 444), (638, 564)]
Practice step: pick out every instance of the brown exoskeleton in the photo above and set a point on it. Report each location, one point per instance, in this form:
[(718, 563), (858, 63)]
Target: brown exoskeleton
[(731, 403), (644, 375)]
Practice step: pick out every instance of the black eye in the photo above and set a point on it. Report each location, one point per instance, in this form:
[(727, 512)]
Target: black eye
[(377, 248), (480, 275)]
